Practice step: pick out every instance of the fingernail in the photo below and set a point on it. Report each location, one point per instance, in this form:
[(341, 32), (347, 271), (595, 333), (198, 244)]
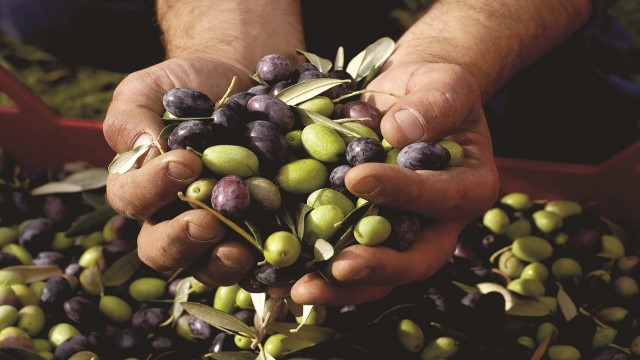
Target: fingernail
[(366, 185), (143, 139), (410, 123), (361, 274), (198, 233), (179, 171), (229, 265)]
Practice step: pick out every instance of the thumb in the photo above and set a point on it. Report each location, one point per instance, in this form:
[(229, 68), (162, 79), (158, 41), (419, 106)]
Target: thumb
[(439, 100)]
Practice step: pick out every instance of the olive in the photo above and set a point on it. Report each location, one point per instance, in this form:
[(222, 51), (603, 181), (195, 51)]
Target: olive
[(547, 221), (231, 160), (90, 256), (536, 271), (372, 230), (115, 308), (90, 240), (518, 228), (363, 150), (197, 286), (200, 190), (320, 224), (532, 248), (635, 346), (282, 248), (612, 315), (511, 265), (120, 227), (15, 337), (319, 104), (25, 294), (186, 103), (231, 196), (564, 208), (147, 288), (563, 352), (317, 316), (90, 281), (302, 176), (242, 342), (61, 241), (496, 220), (441, 348), (603, 336), (517, 200), (84, 355), (455, 150), (323, 143), (264, 193), (41, 345), (148, 319), (410, 335), (327, 196), (82, 311), (526, 341), (391, 157), (294, 139), (336, 178), (625, 287), (544, 329), (627, 264), (527, 287), (8, 235), (31, 319), (551, 302), (243, 299), (8, 316), (61, 332), (565, 268), (71, 346), (273, 68), (612, 247), (18, 251), (225, 298), (199, 328), (360, 129), (274, 346)]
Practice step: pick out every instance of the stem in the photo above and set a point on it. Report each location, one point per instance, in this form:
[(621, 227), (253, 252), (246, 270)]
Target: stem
[(348, 120), (157, 144), (224, 98), (365, 91), (194, 151), (492, 259)]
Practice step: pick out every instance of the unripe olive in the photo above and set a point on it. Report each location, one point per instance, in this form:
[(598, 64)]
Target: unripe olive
[(18, 251), (225, 298), (8, 235), (442, 348), (318, 104), (90, 281), (625, 287), (455, 149), (61, 241), (317, 316), (147, 288), (183, 329), (31, 319), (386, 145), (547, 221), (242, 342), (551, 302), (90, 256), (544, 330), (561, 238), (626, 264), (612, 315), (510, 264), (603, 274), (294, 139), (282, 248), (563, 352), (8, 316), (8, 277), (61, 332), (391, 157), (25, 295), (15, 337), (7, 296), (84, 355), (603, 336), (264, 193), (46, 355), (40, 344), (526, 341), (37, 287), (323, 143), (372, 230), (565, 268), (319, 223), (536, 271), (328, 196), (115, 308), (361, 202), (90, 240), (517, 200), (231, 160), (635, 346), (410, 335), (532, 248), (526, 287), (496, 220), (518, 228), (243, 299), (274, 346), (302, 176), (564, 208), (612, 247), (200, 190), (360, 129), (198, 287)]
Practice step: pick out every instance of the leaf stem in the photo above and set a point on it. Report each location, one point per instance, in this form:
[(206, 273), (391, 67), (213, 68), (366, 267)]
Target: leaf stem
[(225, 97), (365, 91), (348, 120), (194, 151)]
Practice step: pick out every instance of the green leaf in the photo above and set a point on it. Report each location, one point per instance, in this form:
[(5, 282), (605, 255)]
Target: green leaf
[(306, 312), (286, 217), (372, 57), (232, 355), (263, 355), (312, 333), (125, 161), (370, 76), (166, 131), (322, 64), (255, 231), (303, 210), (87, 179), (294, 345), (122, 269), (300, 92), (32, 273), (259, 300), (181, 296), (258, 79), (11, 353), (322, 250), (309, 117), (338, 63), (91, 222), (566, 305), (350, 220), (220, 319)]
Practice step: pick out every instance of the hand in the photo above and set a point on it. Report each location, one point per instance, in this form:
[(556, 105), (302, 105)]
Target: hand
[(439, 100), (191, 238)]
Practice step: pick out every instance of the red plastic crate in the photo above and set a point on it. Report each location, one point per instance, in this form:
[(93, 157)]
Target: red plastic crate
[(35, 134)]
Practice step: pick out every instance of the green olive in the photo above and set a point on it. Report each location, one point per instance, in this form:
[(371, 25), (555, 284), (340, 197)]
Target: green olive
[(625, 287), (25, 294), (183, 329), (90, 256), (294, 139), (517, 200), (31, 319), (8, 316), (147, 289), (612, 247), (544, 330), (18, 251), (40, 344), (91, 240), (496, 220), (91, 281), (510, 264), (536, 271), (61, 332), (328, 196), (225, 298), (563, 352), (61, 241), (231, 160), (7, 296), (302, 176), (360, 129), (547, 221), (372, 230), (8, 277), (361, 202), (526, 287), (455, 150), (391, 157), (243, 299), (603, 336), (318, 104), (442, 348), (626, 264), (201, 189), (410, 335), (564, 208), (264, 193), (242, 342), (532, 248), (317, 316), (37, 287), (560, 238), (323, 143), (551, 302), (115, 308), (8, 235), (15, 337), (386, 145), (282, 248), (565, 268), (320, 223), (612, 315), (518, 228), (198, 287), (526, 341), (274, 346), (84, 355), (635, 346)]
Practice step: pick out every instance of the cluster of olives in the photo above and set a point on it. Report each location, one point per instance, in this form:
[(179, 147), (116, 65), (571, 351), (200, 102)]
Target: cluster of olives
[(266, 158)]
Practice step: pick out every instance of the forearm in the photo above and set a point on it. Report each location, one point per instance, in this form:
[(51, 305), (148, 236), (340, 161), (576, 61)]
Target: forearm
[(492, 39), (238, 32)]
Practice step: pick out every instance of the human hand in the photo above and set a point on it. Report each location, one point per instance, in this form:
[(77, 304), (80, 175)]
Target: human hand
[(193, 237), (439, 100)]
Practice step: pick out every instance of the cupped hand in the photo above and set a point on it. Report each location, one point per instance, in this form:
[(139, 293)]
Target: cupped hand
[(191, 238), (438, 101)]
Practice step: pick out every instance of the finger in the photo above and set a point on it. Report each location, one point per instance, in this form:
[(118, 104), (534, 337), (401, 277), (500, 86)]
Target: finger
[(384, 266), (458, 192), (225, 264), (141, 192), (312, 289), (177, 243)]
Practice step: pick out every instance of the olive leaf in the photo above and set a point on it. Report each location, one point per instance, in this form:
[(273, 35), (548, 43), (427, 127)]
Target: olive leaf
[(345, 225), (303, 210), (286, 217), (370, 76), (372, 57), (263, 355), (322, 250), (338, 63), (515, 304), (255, 231), (306, 312), (322, 64), (220, 319), (294, 345), (122, 269), (125, 161), (312, 333), (309, 117), (466, 288), (259, 300), (566, 305), (91, 221), (618, 231), (181, 296), (166, 131), (303, 91), (33, 273), (231, 355), (88, 179), (94, 200), (258, 79), (13, 353)]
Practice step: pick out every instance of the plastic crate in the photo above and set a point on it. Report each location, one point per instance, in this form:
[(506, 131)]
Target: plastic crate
[(37, 135)]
